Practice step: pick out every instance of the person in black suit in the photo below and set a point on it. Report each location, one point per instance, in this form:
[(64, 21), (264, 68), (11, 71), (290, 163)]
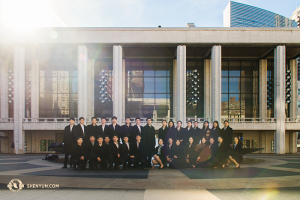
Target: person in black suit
[(139, 152), (178, 156), (103, 128), (126, 148), (69, 141), (159, 155), (126, 129), (215, 132), (106, 146), (92, 130), (170, 133), (236, 150), (162, 132), (227, 134), (78, 154), (148, 135), (168, 149), (206, 132), (136, 130), (115, 129), (197, 133), (88, 147), (179, 132), (190, 153), (213, 145), (115, 152), (189, 132), (98, 154), (80, 129)]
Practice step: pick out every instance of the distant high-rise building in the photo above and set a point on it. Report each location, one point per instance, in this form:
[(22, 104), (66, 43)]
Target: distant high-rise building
[(243, 15)]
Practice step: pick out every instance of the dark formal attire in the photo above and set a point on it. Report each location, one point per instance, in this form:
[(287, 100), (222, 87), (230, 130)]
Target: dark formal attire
[(114, 130), (140, 154), (189, 133), (126, 131), (77, 152), (222, 155), (190, 149), (170, 134), (103, 130), (148, 137), (80, 130), (159, 151), (135, 130), (114, 149), (69, 141), (88, 147), (214, 152), (168, 150), (215, 133), (101, 152), (91, 130), (178, 163), (206, 133), (197, 133), (162, 133), (180, 134), (236, 152), (227, 135), (126, 153)]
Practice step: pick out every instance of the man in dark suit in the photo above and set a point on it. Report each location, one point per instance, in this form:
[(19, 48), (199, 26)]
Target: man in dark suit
[(78, 154), (92, 130), (115, 152), (227, 134), (197, 132), (98, 154), (126, 129), (103, 128), (115, 129), (148, 135), (189, 132), (136, 130), (80, 129), (139, 152), (88, 146), (69, 141), (127, 157)]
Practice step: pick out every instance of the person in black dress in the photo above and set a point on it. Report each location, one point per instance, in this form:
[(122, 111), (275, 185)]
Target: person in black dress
[(126, 129), (126, 148), (190, 153), (159, 155), (135, 130), (213, 145), (206, 131), (197, 133), (115, 152), (162, 132), (148, 137), (179, 132), (78, 154), (215, 131), (227, 134), (236, 150), (139, 152), (103, 128), (168, 149), (91, 130), (69, 141), (98, 154), (170, 133), (189, 132), (178, 156)]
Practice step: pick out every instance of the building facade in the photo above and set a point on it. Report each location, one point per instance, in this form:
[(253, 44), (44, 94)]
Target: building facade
[(243, 15), (234, 74)]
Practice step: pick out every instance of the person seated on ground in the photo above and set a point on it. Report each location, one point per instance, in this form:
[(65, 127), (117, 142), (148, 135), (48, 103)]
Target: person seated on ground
[(138, 152), (78, 154), (178, 156), (115, 152), (191, 154), (214, 150), (159, 155), (126, 147), (168, 149), (88, 146), (204, 153), (106, 145), (98, 154), (236, 150)]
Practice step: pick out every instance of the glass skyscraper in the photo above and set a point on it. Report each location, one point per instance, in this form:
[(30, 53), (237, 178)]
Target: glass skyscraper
[(242, 15)]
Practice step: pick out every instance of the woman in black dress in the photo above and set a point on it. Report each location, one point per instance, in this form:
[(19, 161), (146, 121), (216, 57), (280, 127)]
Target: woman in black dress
[(178, 156), (162, 132), (159, 156), (168, 150), (170, 133), (190, 153), (236, 150), (205, 132), (215, 131)]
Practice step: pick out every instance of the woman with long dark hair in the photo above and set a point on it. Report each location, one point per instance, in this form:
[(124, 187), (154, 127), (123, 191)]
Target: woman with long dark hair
[(205, 131), (170, 133), (159, 156), (190, 153), (178, 156), (215, 131)]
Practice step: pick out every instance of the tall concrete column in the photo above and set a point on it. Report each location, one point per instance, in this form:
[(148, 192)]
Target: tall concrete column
[(293, 104), (263, 88), (4, 87), (174, 88), (216, 62), (123, 89), (207, 88), (118, 83), (19, 98), (91, 93), (279, 107), (82, 82), (35, 86), (181, 84)]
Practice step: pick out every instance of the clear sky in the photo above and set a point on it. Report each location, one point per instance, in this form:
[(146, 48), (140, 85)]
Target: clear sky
[(127, 13)]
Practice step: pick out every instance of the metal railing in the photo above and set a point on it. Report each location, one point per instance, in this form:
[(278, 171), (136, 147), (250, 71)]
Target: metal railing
[(47, 120), (292, 120), (6, 120), (250, 120), (199, 120)]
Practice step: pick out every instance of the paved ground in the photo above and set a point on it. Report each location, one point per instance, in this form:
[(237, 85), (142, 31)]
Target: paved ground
[(276, 178)]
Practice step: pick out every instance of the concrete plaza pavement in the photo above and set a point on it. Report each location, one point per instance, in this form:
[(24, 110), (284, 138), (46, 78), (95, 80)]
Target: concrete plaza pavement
[(278, 177)]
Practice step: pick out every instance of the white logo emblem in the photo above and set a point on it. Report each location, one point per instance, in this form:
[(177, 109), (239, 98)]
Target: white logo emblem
[(15, 185)]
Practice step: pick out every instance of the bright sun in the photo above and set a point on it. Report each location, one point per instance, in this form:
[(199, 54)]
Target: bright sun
[(27, 14)]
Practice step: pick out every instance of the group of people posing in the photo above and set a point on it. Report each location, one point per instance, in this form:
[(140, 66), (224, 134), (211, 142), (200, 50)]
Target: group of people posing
[(109, 146)]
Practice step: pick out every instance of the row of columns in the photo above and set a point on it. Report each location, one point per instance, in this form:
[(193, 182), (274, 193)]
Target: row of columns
[(212, 88)]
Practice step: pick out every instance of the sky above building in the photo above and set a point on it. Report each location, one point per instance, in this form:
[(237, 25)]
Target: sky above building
[(126, 13)]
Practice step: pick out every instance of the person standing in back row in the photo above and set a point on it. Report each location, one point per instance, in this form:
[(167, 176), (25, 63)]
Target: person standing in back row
[(148, 136), (69, 141)]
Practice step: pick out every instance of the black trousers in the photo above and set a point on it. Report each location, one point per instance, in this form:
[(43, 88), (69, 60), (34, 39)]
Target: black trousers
[(128, 160), (103, 163), (81, 163), (149, 157), (116, 160), (138, 160), (67, 158)]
